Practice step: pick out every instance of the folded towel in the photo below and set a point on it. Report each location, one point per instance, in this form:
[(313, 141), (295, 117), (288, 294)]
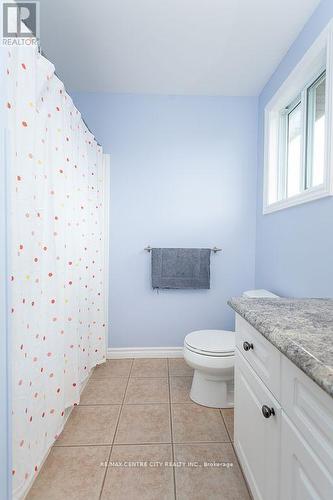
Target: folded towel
[(180, 268)]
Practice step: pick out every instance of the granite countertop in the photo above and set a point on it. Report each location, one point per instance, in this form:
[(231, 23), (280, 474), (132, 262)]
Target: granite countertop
[(302, 329)]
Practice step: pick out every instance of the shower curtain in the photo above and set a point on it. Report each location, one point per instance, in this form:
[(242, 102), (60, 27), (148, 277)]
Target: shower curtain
[(58, 284)]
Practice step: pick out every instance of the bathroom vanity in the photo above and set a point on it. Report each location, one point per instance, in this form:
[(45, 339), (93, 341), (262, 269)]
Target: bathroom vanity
[(284, 397)]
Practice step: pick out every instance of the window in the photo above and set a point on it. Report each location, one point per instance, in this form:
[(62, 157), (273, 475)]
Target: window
[(302, 128), (298, 133)]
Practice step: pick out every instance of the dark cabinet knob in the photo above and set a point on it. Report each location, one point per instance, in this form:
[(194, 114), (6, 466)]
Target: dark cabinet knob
[(247, 346), (267, 411)]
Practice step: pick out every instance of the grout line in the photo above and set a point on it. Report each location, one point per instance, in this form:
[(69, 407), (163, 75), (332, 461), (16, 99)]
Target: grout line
[(171, 429), (193, 403), (115, 431), (235, 453), (154, 443), (132, 375), (98, 404), (135, 377), (126, 404), (147, 403), (107, 377), (225, 425), (96, 445), (242, 472), (151, 443)]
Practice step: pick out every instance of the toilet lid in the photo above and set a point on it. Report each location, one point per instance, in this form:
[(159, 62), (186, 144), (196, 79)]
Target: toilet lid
[(218, 342)]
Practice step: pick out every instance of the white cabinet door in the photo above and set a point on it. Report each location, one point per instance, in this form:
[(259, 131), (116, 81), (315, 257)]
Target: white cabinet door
[(303, 475), (264, 358), (310, 409), (257, 439)]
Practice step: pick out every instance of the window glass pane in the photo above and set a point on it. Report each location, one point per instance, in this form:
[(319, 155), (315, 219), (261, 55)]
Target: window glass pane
[(294, 164), (316, 133)]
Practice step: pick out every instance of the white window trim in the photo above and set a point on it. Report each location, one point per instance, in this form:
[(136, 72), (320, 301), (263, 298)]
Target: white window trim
[(318, 56)]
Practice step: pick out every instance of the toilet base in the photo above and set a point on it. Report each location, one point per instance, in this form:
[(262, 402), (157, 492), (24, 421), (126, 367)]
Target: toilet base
[(212, 391)]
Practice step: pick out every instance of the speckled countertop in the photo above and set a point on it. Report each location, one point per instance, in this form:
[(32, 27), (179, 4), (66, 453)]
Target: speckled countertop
[(302, 329)]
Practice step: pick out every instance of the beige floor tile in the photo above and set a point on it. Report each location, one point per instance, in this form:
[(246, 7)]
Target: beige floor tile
[(179, 368), (194, 423), (90, 425), (145, 482), (180, 389), (228, 417), (147, 390), (104, 391), (146, 367), (71, 473), (113, 368), (140, 424), (211, 483)]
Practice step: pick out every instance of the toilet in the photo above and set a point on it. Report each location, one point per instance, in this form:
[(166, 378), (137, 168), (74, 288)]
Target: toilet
[(211, 353)]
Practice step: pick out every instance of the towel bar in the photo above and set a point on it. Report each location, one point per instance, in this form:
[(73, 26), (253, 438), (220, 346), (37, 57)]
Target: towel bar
[(214, 249)]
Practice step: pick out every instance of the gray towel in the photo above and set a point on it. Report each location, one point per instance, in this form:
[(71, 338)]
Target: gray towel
[(180, 268)]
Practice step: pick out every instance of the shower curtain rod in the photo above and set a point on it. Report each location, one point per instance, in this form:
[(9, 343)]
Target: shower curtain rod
[(214, 249)]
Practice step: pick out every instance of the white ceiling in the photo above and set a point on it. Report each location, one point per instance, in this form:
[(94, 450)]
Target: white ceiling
[(207, 47)]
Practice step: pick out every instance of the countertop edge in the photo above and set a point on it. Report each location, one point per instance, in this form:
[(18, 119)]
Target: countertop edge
[(315, 369)]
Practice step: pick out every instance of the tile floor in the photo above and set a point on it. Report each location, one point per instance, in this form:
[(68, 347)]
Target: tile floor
[(137, 417)]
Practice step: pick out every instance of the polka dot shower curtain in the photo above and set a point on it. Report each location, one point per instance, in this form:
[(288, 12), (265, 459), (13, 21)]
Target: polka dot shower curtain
[(57, 287)]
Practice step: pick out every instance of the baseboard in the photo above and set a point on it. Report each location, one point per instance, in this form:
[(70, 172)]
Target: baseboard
[(144, 352)]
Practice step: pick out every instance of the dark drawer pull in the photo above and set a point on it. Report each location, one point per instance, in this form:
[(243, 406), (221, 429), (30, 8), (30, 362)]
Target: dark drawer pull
[(267, 411), (247, 346)]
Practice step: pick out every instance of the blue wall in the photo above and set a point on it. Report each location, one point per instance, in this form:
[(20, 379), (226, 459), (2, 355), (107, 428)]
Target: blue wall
[(294, 247), (183, 174)]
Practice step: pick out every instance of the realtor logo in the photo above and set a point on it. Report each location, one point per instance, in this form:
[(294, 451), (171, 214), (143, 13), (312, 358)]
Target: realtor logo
[(20, 20)]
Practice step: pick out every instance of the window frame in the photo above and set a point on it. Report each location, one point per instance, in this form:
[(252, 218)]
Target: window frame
[(318, 58), (283, 146)]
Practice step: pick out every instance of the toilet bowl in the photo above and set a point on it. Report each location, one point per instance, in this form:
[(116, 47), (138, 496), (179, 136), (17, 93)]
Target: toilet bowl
[(211, 353)]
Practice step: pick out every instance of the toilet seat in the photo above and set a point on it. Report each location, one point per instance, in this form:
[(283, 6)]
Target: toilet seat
[(218, 343)]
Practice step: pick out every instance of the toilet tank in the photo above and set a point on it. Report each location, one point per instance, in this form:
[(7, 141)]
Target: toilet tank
[(259, 294)]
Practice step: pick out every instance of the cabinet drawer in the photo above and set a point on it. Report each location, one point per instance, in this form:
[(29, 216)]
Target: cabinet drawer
[(262, 355), (310, 409), (303, 475), (257, 439)]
